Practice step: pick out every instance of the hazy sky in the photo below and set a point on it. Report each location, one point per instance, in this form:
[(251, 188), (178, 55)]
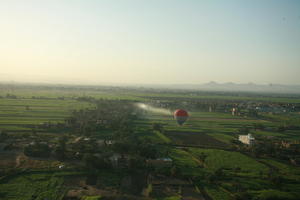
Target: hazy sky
[(150, 41)]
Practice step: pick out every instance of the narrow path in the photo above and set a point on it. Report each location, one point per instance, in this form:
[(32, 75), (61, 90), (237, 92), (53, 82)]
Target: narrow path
[(204, 194), (200, 163)]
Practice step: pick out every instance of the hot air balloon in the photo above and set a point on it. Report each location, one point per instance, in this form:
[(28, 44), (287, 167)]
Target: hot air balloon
[(181, 116)]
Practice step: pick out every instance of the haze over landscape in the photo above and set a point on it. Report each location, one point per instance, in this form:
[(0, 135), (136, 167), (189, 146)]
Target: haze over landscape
[(150, 42), (149, 100)]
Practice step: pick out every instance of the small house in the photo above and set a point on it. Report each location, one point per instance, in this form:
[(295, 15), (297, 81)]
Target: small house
[(247, 139)]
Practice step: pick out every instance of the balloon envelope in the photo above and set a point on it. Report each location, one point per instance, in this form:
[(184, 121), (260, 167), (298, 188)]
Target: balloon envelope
[(181, 116)]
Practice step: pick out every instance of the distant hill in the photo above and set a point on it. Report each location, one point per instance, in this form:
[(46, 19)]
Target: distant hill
[(251, 87), (235, 87), (210, 86)]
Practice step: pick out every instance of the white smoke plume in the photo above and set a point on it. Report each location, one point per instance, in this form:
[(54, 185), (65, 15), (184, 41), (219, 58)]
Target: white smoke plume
[(153, 109)]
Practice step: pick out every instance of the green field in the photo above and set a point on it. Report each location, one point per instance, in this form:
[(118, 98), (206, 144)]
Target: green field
[(23, 114), (34, 185), (217, 159), (209, 134)]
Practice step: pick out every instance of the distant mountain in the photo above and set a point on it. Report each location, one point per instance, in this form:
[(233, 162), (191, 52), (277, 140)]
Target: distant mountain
[(235, 87), (210, 86), (250, 87)]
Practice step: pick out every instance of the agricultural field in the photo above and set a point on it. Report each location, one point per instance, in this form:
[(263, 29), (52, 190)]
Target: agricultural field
[(21, 115), (95, 125), (204, 128), (194, 138), (32, 185)]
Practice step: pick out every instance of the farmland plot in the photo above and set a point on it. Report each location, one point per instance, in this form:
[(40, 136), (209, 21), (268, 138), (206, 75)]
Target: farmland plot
[(21, 114), (194, 139)]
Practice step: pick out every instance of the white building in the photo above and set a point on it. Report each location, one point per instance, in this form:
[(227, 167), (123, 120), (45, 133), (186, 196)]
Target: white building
[(233, 111), (246, 139)]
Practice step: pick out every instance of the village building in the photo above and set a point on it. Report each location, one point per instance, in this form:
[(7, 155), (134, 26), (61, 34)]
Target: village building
[(109, 142), (233, 111), (247, 139), (119, 160)]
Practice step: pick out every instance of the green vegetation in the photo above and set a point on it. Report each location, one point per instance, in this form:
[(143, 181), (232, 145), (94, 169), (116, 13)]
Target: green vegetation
[(276, 195), (183, 158), (91, 198), (285, 169), (32, 185), (95, 140), (217, 159), (171, 198), (22, 115), (217, 193), (162, 137)]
